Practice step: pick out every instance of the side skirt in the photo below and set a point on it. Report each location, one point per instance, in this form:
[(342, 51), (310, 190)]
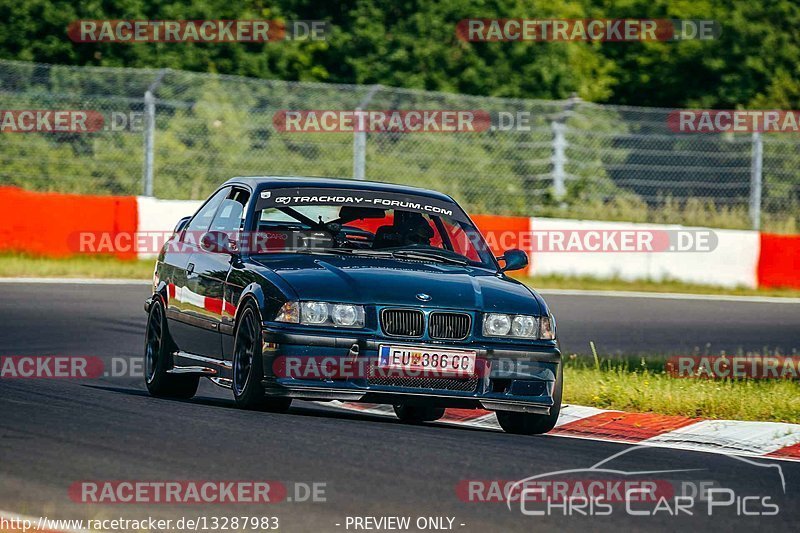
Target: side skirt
[(213, 369)]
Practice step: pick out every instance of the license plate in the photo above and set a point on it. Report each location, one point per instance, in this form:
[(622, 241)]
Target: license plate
[(423, 360)]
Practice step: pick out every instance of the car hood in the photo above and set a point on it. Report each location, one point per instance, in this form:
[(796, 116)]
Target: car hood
[(365, 280)]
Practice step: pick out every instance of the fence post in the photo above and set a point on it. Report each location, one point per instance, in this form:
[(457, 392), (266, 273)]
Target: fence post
[(149, 138), (150, 132), (559, 159), (359, 153), (756, 180), (360, 137)]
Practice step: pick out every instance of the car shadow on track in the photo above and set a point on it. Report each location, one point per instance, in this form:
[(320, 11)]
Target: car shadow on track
[(306, 409)]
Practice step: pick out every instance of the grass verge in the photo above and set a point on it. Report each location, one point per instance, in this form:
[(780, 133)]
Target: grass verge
[(17, 265), (646, 387)]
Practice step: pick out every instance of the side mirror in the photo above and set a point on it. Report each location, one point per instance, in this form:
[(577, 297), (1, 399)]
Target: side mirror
[(514, 259), (218, 242), (181, 224)]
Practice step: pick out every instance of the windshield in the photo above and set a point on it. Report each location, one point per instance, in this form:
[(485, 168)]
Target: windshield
[(367, 223)]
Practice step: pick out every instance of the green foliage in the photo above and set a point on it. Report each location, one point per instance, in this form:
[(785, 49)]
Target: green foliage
[(413, 44)]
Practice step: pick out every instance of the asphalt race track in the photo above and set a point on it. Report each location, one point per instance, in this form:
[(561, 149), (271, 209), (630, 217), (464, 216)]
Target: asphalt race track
[(54, 433)]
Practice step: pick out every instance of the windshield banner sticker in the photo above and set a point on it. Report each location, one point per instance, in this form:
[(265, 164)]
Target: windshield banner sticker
[(290, 197)]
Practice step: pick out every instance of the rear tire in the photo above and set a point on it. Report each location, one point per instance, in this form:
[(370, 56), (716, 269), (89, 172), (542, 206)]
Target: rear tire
[(248, 365), (158, 348), (411, 414), (530, 424)]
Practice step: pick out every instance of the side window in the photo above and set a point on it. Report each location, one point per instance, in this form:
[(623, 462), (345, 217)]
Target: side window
[(202, 220), (461, 241), (230, 216)]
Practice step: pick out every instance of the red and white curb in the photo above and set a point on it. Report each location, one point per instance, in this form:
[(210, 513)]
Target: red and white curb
[(775, 440)]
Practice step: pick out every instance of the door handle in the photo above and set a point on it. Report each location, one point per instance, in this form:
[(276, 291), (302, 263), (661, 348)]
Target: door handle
[(190, 268)]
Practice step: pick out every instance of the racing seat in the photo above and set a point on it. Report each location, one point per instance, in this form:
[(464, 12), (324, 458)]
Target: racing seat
[(387, 237), (407, 229)]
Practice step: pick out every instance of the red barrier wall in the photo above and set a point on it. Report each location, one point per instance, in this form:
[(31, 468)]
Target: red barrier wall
[(503, 233), (48, 224), (779, 261)]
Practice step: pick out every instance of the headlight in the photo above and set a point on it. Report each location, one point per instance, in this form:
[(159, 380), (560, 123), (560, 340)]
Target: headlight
[(351, 316), (313, 312), (322, 314), (518, 326), (496, 325), (523, 326)]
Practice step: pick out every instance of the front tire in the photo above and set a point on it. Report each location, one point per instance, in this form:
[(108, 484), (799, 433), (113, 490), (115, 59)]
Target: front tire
[(411, 414), (248, 365), (530, 424), (158, 348)]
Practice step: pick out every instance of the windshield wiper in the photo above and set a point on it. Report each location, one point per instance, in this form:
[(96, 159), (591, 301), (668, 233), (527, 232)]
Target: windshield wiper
[(340, 251), (425, 255), (344, 251), (419, 255)]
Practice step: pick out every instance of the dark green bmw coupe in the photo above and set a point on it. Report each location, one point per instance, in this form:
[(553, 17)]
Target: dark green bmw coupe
[(326, 289)]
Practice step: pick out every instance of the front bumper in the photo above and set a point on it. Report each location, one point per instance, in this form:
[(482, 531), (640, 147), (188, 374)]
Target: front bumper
[(512, 377)]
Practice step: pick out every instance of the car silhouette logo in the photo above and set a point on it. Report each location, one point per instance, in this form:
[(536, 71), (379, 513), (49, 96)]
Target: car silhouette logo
[(422, 297)]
